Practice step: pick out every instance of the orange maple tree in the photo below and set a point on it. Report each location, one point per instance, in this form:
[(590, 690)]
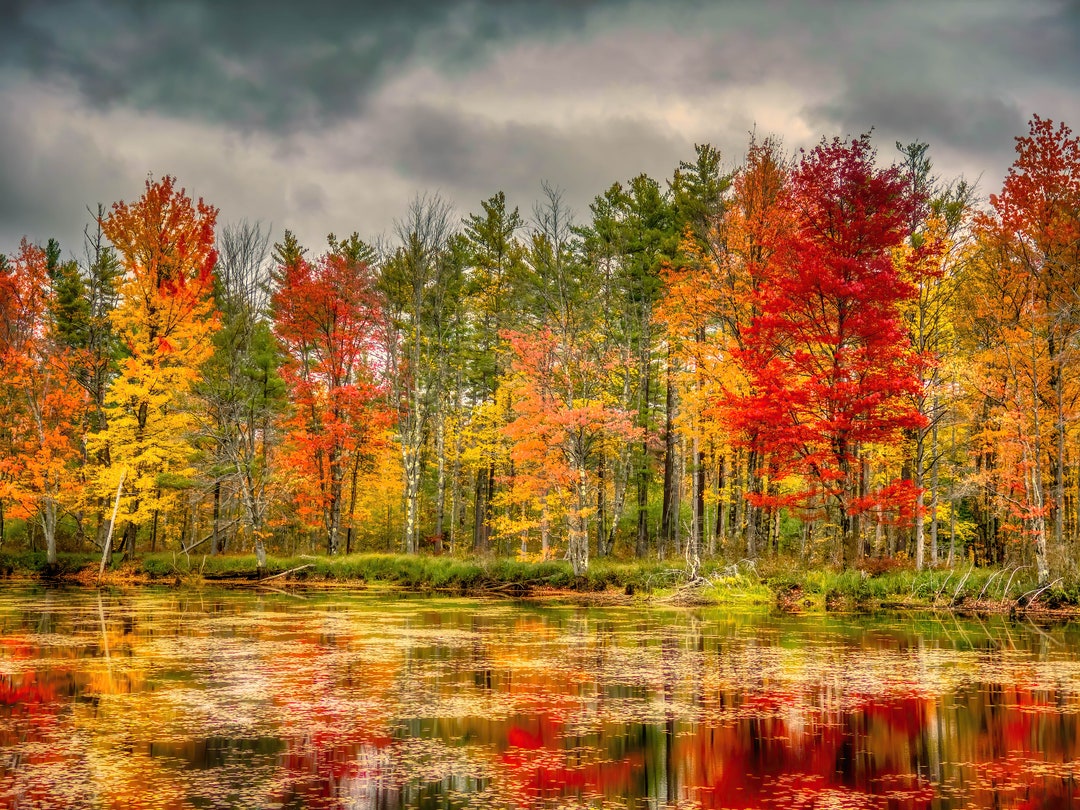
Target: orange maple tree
[(565, 421), (41, 405), (327, 317), (1027, 266)]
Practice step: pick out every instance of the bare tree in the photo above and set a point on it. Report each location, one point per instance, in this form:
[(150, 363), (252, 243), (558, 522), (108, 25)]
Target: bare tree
[(241, 390)]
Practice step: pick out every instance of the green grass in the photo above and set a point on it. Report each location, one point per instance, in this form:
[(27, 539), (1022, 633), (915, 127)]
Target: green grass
[(419, 571), (774, 580), (34, 562), (940, 587)]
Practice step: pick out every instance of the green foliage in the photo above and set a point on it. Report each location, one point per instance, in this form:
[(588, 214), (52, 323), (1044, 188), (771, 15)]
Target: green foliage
[(25, 563), (70, 305)]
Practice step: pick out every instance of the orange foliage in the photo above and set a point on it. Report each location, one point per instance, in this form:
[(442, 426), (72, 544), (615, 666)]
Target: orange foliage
[(327, 319), (565, 421), (40, 406)]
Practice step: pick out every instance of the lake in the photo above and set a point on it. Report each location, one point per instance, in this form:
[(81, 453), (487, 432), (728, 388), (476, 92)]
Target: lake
[(221, 699)]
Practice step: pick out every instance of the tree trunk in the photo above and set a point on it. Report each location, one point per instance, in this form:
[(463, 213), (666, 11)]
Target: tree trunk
[(48, 525), (352, 503), (666, 518), (129, 540), (952, 526), (578, 550), (699, 496), (488, 505), (750, 510), (622, 474), (935, 466), (601, 508), (643, 473), (214, 543), (677, 497), (920, 500), (721, 503), (545, 530), (440, 489), (738, 498), (1059, 472), (411, 451), (478, 512), (642, 546)]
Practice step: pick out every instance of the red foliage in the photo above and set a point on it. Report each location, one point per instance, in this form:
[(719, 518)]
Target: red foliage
[(827, 356), (327, 318)]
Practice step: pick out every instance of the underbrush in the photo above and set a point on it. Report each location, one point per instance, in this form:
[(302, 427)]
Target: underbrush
[(897, 584)]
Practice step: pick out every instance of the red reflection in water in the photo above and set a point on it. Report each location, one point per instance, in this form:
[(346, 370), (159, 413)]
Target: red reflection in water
[(539, 765)]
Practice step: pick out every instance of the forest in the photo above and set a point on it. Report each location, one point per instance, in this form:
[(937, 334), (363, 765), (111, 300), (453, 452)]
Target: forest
[(834, 354)]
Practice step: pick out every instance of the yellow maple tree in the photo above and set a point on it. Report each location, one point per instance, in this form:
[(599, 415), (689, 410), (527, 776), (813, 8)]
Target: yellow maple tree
[(164, 321)]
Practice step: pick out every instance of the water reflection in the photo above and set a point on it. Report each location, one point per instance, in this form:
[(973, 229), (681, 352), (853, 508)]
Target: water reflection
[(225, 699)]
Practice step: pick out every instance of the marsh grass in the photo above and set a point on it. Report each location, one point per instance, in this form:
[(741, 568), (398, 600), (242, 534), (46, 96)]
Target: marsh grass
[(775, 580), (421, 572), (964, 586)]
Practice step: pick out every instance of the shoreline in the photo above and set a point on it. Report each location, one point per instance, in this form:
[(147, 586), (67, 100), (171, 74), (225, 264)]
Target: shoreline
[(780, 587)]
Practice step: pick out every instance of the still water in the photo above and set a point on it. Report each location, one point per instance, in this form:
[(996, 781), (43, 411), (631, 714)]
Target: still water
[(220, 699)]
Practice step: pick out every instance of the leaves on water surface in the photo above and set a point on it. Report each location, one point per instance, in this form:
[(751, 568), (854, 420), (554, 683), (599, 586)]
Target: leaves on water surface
[(228, 700)]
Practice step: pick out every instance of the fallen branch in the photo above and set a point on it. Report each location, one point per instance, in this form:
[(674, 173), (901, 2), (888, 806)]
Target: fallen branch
[(960, 587), (279, 590), (1038, 592), (286, 573), (942, 588), (992, 578), (105, 552), (197, 543), (1005, 593)]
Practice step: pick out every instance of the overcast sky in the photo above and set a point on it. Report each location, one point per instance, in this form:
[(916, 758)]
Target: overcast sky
[(327, 116)]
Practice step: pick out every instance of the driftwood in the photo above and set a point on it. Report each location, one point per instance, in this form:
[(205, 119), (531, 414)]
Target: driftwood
[(286, 573), (108, 539)]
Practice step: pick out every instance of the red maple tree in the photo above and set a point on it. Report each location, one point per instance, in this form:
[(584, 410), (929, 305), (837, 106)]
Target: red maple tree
[(826, 354)]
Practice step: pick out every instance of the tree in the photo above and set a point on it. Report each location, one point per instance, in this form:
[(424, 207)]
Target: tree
[(164, 321), (827, 355), (928, 260), (1033, 234), (40, 409), (416, 283), (710, 303), (495, 257), (241, 389), (327, 318), (699, 196), (563, 423)]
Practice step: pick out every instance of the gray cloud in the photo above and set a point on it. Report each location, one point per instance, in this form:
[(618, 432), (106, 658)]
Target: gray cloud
[(983, 126), (48, 177), (257, 64), (331, 115), (448, 150)]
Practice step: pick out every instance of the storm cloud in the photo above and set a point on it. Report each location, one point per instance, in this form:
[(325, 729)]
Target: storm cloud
[(329, 116)]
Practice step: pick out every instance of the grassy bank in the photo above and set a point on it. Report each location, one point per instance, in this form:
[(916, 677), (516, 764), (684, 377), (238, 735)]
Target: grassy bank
[(774, 581)]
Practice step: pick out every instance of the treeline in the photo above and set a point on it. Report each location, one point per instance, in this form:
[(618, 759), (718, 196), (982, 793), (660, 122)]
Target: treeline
[(811, 354)]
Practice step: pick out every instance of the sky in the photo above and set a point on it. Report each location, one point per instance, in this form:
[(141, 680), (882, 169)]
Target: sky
[(323, 116)]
